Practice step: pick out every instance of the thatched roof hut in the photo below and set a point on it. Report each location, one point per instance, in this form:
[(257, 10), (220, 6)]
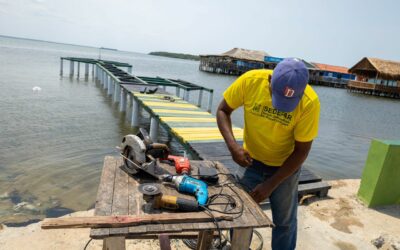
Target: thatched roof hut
[(243, 54), (374, 67)]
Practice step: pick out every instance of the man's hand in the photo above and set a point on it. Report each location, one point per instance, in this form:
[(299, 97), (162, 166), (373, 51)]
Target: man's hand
[(261, 192), (241, 156)]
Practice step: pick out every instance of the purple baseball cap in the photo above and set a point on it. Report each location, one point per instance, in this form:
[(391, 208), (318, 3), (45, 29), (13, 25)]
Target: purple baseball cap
[(288, 82)]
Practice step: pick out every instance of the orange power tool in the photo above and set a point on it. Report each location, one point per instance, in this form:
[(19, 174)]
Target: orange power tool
[(182, 164)]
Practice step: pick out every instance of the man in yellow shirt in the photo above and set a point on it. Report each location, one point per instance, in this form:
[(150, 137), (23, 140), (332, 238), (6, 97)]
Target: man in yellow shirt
[(281, 113)]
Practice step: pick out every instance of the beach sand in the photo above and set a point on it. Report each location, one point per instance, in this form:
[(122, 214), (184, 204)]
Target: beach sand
[(339, 221)]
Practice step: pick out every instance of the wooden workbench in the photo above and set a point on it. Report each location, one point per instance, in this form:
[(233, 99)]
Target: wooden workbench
[(118, 195)]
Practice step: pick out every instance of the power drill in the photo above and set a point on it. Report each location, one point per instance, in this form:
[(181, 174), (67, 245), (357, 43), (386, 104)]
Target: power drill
[(187, 184), (182, 164)]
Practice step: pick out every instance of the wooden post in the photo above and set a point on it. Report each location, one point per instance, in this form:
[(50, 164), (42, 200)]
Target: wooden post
[(153, 129), (61, 66), (210, 99), (241, 238), (86, 70), (71, 68), (78, 70), (135, 113), (93, 65), (165, 243), (122, 104), (204, 240), (200, 100), (114, 243), (177, 91)]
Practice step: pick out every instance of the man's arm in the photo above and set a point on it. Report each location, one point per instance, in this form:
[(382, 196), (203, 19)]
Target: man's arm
[(289, 167), (239, 154)]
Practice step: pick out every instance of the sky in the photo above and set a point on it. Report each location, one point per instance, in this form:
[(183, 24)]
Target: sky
[(338, 32)]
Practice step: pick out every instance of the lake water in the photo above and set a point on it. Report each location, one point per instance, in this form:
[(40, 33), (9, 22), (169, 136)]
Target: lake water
[(52, 143)]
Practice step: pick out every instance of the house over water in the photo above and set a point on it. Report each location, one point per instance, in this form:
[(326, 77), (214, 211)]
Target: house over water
[(233, 62), (376, 77), (330, 75)]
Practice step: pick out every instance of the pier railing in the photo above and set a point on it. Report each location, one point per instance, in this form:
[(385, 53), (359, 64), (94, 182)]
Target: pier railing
[(112, 77)]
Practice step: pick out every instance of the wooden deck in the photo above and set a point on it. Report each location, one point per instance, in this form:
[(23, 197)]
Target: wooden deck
[(373, 89), (118, 195)]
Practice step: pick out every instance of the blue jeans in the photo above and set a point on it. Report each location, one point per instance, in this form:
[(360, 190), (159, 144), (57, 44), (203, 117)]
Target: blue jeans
[(283, 202)]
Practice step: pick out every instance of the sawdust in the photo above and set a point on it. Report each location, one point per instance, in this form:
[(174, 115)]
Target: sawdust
[(339, 184), (344, 217), (342, 245)]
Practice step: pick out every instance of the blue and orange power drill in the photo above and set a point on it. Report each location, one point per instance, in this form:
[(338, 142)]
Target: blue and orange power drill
[(190, 185)]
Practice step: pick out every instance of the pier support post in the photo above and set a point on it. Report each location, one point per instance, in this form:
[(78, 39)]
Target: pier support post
[(122, 104), (71, 68), (78, 70), (210, 99), (154, 129), (86, 70), (109, 85), (117, 90), (186, 95), (61, 66), (200, 100), (130, 70), (93, 66), (105, 86), (135, 113), (177, 91)]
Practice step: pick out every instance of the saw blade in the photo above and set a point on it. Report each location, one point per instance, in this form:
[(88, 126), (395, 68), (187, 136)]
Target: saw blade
[(134, 151), (149, 188)]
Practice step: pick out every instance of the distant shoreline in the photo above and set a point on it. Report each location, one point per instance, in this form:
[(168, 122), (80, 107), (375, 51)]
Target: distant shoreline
[(175, 55)]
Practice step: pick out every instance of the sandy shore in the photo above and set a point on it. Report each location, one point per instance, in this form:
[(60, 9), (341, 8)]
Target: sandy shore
[(337, 222)]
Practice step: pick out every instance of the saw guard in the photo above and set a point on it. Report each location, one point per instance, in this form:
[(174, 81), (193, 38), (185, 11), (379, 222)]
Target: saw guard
[(134, 149)]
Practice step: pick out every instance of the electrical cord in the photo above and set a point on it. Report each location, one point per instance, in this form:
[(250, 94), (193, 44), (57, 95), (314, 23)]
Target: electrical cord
[(87, 244)]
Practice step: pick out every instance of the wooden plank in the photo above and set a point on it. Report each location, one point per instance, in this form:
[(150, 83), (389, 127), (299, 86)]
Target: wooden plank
[(104, 194), (128, 220), (190, 112), (120, 204), (170, 104), (114, 243), (204, 241), (260, 217), (135, 205), (318, 188), (188, 119), (306, 176), (241, 238)]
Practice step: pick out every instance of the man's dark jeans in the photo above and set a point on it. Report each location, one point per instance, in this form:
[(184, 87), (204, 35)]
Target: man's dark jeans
[(283, 202)]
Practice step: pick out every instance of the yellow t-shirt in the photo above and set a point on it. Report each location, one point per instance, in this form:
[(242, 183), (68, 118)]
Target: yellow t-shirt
[(269, 134)]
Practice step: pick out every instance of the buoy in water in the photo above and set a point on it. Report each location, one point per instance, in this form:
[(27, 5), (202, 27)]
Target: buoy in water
[(36, 89)]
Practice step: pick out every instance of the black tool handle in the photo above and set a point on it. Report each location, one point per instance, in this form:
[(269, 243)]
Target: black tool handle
[(187, 205)]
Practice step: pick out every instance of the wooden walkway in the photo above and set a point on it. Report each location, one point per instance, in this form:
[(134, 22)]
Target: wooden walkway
[(193, 127)]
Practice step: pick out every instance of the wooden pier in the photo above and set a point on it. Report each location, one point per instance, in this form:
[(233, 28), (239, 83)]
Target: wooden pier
[(194, 128)]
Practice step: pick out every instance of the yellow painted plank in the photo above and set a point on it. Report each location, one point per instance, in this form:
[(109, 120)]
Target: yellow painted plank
[(192, 138), (172, 111), (187, 119), (202, 129), (154, 95), (169, 104)]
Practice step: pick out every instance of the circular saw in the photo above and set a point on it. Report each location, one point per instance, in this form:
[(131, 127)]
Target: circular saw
[(140, 154)]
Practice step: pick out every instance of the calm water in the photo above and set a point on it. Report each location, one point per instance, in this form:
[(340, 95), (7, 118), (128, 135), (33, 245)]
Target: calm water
[(52, 143)]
